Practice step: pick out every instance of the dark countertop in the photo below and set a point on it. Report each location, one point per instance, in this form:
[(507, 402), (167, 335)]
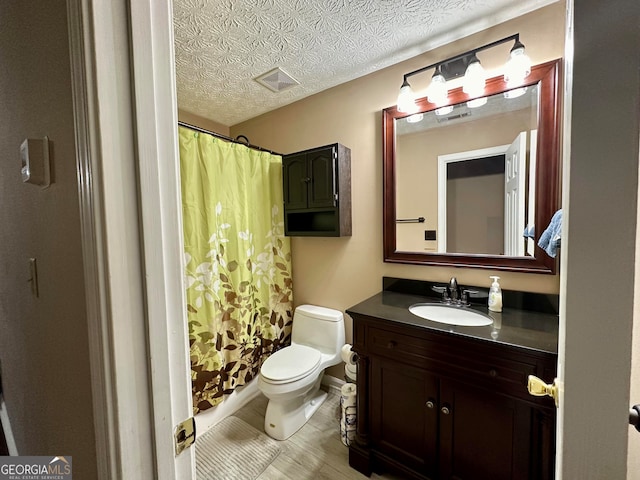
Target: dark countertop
[(526, 329)]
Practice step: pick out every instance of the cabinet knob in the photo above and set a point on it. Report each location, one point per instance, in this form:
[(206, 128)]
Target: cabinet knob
[(493, 372), (391, 344), (445, 410), (305, 180), (430, 404)]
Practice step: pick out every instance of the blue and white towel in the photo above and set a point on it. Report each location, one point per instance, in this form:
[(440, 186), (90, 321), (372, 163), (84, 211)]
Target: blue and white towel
[(529, 231), (550, 239)]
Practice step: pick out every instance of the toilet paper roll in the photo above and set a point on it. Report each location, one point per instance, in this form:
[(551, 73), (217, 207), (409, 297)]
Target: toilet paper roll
[(347, 434), (350, 373), (347, 427), (347, 355), (348, 395)]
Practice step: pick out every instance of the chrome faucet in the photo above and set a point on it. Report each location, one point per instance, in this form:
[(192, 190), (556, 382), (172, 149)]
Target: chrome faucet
[(454, 291), (453, 294)]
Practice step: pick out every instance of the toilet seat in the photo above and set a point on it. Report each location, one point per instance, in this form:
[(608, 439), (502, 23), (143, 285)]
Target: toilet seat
[(290, 364)]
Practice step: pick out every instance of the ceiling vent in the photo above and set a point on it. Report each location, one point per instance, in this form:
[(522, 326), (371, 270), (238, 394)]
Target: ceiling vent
[(453, 117), (277, 80)]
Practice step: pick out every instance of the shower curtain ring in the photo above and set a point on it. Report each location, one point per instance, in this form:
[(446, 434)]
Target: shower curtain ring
[(237, 139)]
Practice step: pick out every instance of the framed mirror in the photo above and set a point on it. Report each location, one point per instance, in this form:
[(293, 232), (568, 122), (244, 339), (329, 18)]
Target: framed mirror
[(474, 183)]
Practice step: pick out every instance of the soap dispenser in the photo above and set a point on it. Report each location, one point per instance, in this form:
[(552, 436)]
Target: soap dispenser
[(495, 295)]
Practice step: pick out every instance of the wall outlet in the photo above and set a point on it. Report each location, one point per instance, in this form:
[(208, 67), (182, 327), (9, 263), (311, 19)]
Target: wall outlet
[(430, 235)]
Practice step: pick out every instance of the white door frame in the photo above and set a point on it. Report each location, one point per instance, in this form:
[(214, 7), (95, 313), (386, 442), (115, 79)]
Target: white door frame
[(156, 107), (443, 161), (125, 114)]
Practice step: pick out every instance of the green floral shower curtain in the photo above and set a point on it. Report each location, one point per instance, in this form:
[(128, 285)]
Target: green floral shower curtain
[(238, 262)]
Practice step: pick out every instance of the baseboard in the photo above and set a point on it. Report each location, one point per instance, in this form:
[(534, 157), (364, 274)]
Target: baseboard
[(333, 384), (6, 428), (232, 403)]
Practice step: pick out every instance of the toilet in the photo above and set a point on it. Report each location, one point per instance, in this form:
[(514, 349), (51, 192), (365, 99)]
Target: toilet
[(291, 377)]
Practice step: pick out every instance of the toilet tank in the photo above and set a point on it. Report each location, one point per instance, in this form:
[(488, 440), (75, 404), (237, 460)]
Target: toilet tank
[(318, 327)]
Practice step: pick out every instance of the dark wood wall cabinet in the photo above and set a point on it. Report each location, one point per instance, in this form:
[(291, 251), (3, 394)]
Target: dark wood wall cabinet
[(317, 192), (436, 405)]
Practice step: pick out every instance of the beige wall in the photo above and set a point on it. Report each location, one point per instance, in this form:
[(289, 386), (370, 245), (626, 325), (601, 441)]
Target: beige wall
[(339, 272), (198, 121), (43, 341)]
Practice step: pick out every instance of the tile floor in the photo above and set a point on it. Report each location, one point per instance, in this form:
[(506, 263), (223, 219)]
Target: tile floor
[(314, 452)]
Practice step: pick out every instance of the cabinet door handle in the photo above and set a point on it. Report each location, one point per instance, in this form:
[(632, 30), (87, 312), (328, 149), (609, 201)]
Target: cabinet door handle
[(305, 180), (430, 404), (391, 344), (445, 410)]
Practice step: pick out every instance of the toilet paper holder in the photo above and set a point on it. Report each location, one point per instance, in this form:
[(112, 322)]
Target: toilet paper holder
[(348, 356)]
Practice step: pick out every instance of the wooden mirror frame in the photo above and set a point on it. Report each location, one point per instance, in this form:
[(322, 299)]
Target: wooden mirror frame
[(547, 76)]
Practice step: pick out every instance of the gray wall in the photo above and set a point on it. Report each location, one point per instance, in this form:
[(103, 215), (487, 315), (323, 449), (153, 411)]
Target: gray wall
[(43, 341)]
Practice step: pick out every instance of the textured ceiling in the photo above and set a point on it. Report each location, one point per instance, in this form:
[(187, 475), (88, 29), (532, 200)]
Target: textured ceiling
[(221, 46)]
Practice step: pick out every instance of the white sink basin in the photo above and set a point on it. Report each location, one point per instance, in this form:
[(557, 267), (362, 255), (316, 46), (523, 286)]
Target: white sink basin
[(461, 316)]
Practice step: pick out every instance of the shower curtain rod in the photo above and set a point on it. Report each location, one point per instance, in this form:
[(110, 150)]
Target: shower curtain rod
[(228, 139)]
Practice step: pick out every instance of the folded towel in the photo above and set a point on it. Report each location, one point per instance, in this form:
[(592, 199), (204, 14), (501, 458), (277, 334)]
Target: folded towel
[(550, 239), (529, 231)]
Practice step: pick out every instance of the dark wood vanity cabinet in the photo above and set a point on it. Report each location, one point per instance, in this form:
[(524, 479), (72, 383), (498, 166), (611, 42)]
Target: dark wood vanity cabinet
[(437, 406), (317, 192)]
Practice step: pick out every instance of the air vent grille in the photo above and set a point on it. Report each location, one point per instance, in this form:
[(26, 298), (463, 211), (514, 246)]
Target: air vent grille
[(277, 80), (453, 117)]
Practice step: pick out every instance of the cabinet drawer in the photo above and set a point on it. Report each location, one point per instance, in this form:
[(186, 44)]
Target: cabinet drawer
[(495, 371), (464, 360), (399, 347)]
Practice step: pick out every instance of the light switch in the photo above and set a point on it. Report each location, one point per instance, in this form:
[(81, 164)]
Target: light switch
[(33, 276), (34, 155)]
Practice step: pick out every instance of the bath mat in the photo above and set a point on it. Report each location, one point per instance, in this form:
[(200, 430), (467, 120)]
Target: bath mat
[(234, 450)]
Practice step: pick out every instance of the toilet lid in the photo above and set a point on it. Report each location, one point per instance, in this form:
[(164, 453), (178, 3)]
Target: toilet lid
[(290, 364)]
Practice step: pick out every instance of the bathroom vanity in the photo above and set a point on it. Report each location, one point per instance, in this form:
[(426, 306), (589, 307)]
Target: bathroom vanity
[(437, 401)]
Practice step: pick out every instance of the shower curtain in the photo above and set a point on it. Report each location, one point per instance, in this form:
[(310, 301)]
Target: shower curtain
[(238, 262)]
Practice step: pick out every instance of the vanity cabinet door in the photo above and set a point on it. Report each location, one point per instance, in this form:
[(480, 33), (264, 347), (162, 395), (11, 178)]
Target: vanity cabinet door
[(404, 415), (483, 435)]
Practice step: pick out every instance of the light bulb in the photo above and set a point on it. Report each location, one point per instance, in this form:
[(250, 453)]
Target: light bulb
[(474, 78), (437, 90), (406, 99), (518, 67), (444, 110), (415, 118), (477, 102), (515, 93)]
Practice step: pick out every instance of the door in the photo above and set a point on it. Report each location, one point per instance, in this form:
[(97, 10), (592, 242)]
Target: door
[(322, 188), (296, 181), (404, 413), (483, 436), (514, 196)]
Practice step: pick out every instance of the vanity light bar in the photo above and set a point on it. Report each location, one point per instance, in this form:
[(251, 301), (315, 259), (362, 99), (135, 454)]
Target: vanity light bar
[(519, 66)]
